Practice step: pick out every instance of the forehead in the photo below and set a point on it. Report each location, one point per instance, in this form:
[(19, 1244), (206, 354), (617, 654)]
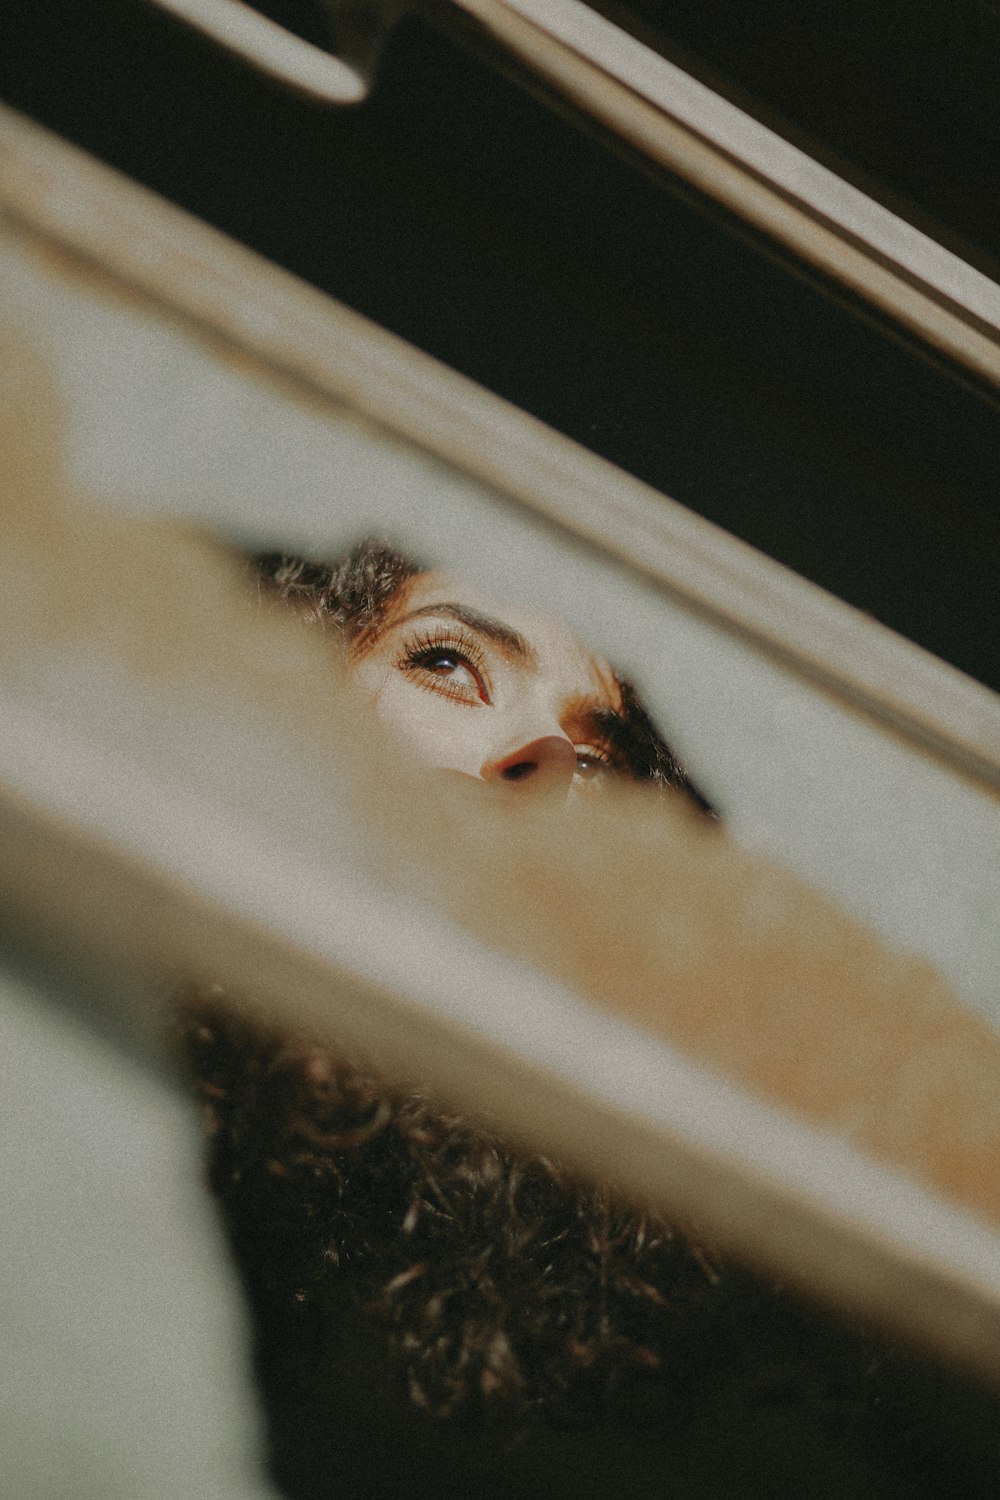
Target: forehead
[(554, 652)]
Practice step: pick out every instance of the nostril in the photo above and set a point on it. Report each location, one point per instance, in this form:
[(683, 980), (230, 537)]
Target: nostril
[(549, 760), (519, 771)]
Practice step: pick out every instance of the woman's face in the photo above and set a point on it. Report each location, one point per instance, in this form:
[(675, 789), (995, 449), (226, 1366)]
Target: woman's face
[(502, 694)]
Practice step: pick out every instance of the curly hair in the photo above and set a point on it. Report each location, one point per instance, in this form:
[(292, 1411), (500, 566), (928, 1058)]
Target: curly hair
[(496, 1280), (399, 1261), (353, 594)]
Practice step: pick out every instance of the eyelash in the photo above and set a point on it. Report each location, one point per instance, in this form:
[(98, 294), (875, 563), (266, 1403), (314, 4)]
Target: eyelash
[(417, 657)]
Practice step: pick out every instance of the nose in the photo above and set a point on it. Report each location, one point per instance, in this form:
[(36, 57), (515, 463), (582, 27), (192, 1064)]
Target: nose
[(547, 761)]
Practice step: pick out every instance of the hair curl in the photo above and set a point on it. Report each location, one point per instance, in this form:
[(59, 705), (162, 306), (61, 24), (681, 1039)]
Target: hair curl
[(497, 1280), (352, 594)]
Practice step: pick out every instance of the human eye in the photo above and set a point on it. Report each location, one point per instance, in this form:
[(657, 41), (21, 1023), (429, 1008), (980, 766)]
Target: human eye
[(593, 765), (451, 664)]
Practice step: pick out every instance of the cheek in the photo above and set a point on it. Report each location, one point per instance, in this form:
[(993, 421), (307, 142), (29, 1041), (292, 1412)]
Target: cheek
[(432, 731)]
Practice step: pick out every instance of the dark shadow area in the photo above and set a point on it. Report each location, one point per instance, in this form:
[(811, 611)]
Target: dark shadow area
[(899, 97)]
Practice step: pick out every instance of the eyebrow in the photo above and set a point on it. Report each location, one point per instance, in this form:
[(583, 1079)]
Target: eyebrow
[(510, 641)]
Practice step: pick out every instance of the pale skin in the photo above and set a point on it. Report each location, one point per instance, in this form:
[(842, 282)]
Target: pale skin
[(503, 694)]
